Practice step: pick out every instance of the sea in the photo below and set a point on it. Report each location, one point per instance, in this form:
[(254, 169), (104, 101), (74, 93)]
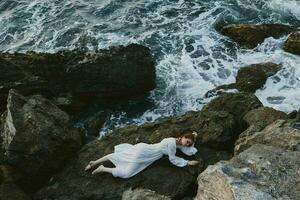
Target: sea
[(190, 55)]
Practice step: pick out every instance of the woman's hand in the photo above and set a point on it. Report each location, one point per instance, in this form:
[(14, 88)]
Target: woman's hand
[(193, 162)]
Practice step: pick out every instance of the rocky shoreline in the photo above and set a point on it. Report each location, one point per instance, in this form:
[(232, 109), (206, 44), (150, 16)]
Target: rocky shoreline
[(246, 150)]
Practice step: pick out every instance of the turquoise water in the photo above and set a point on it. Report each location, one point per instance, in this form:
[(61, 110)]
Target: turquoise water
[(191, 57)]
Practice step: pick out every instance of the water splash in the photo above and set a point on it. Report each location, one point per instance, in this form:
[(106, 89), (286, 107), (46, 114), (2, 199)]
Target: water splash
[(191, 56)]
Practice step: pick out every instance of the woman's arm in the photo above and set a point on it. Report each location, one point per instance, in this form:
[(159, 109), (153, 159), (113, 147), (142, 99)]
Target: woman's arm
[(188, 150), (178, 161)]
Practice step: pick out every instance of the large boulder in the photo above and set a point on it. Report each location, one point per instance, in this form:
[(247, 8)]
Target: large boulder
[(263, 116), (282, 133), (12, 77), (237, 104), (215, 142), (79, 75), (116, 72), (94, 123), (9, 190), (253, 77), (37, 136), (73, 183), (260, 172), (249, 78), (257, 120), (292, 44), (250, 35)]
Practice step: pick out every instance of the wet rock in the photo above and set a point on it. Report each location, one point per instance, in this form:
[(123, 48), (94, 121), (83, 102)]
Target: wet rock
[(249, 78), (260, 172), (215, 142), (298, 116), (94, 123), (11, 76), (257, 120), (292, 114), (237, 104), (282, 133), (263, 116), (120, 71), (116, 72), (250, 35), (37, 137), (70, 103), (9, 174), (156, 177), (9, 190), (253, 77), (292, 44)]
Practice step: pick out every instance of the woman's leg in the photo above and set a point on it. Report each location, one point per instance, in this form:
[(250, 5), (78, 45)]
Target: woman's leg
[(100, 160), (101, 168), (96, 162)]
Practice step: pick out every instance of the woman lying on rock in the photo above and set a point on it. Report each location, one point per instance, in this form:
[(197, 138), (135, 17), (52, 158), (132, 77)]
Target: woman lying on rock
[(130, 159)]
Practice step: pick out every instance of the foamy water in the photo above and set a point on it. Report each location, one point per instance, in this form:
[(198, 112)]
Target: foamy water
[(191, 56)]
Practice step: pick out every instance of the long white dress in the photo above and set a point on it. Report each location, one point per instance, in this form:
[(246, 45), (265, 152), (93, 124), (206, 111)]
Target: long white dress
[(130, 159)]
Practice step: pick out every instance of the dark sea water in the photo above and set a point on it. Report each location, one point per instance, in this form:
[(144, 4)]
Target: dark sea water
[(191, 56)]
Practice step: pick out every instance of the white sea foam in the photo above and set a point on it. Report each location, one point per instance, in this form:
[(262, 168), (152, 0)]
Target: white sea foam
[(191, 56), (287, 7)]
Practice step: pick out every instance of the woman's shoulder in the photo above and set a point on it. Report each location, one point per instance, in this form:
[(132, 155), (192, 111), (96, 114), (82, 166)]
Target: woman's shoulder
[(169, 140)]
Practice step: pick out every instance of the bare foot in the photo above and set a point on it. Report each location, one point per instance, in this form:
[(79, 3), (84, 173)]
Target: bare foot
[(90, 165), (98, 170)]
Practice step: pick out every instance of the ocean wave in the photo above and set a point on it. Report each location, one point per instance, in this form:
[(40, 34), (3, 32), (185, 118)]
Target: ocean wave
[(191, 56)]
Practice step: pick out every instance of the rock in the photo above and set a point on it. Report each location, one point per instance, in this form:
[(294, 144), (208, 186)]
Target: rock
[(120, 71), (10, 191), (298, 115), (37, 136), (263, 116), (260, 172), (283, 134), (292, 44), (221, 89), (2, 151), (156, 177), (9, 174), (12, 77), (94, 123), (210, 156), (75, 184), (250, 35), (292, 114), (69, 103), (145, 194), (253, 77), (249, 78), (237, 104), (257, 120), (8, 188), (215, 142)]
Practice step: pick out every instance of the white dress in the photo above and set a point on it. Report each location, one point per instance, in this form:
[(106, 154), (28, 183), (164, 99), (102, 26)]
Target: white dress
[(130, 159)]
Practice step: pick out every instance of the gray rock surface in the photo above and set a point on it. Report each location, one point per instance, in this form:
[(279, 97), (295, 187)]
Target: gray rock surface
[(37, 136), (258, 173)]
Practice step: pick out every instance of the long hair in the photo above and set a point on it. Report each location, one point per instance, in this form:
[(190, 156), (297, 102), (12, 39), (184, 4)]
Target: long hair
[(187, 134)]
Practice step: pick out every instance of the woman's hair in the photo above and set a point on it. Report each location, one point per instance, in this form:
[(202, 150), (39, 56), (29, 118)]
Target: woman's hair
[(188, 134)]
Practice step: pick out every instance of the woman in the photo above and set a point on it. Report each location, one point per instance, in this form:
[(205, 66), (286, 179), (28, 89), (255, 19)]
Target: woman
[(130, 159)]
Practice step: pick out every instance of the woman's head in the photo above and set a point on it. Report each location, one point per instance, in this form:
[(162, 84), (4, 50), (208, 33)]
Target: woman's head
[(187, 138)]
